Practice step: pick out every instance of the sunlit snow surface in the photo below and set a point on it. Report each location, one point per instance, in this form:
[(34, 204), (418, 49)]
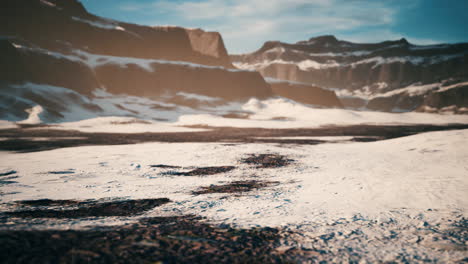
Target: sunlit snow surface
[(393, 185)]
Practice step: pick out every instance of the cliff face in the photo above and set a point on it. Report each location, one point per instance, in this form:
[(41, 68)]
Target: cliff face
[(210, 44), (50, 24), (357, 69), (304, 93), (73, 49)]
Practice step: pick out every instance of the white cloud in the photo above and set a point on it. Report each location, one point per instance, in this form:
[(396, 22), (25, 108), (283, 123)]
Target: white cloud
[(246, 24)]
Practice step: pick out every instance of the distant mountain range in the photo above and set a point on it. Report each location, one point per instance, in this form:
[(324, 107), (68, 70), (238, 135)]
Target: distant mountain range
[(55, 54), (371, 75)]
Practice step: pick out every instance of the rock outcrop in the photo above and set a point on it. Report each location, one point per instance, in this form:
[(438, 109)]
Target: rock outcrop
[(304, 93), (210, 44)]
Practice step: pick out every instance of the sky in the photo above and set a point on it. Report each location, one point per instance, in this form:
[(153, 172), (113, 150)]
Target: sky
[(246, 24)]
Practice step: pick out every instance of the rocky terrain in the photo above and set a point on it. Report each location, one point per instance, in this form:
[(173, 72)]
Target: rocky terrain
[(360, 72)]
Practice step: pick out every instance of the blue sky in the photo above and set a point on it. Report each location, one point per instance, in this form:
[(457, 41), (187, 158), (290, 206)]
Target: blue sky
[(247, 24)]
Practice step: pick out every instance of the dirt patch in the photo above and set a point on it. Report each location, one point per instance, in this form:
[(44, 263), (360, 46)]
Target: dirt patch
[(203, 171), (234, 187), (153, 240), (15, 136), (7, 180), (90, 209), (267, 160), (61, 172), (163, 166), (129, 122), (49, 202), (238, 115), (7, 173)]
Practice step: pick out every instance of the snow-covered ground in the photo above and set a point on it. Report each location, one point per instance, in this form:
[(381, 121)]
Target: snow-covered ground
[(132, 114), (385, 195)]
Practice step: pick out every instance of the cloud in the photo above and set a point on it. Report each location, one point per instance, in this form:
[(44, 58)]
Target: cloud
[(246, 24)]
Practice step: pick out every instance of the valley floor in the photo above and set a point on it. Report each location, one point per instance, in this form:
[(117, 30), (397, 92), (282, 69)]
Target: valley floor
[(354, 194)]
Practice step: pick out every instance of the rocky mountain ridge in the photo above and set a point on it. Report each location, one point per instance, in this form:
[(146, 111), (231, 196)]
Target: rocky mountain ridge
[(355, 69)]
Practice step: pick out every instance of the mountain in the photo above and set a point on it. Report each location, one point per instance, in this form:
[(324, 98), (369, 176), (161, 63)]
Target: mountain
[(57, 43), (362, 73)]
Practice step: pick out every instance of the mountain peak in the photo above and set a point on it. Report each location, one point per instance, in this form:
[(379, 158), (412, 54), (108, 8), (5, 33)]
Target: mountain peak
[(321, 40), (324, 38)]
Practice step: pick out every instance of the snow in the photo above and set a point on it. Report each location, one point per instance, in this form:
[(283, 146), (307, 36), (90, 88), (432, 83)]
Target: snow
[(33, 118), (412, 90), (4, 124), (357, 53), (132, 114), (303, 65), (114, 124), (276, 50), (274, 80), (371, 190), (47, 3), (453, 86), (99, 24), (96, 60), (377, 61), (419, 89), (299, 115), (198, 97), (120, 113), (310, 64)]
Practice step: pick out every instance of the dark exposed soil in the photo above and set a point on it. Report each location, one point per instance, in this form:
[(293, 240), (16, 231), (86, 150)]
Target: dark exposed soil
[(164, 166), (49, 202), (153, 240), (61, 172), (7, 173), (234, 187), (203, 171), (89, 209), (267, 160), (16, 141)]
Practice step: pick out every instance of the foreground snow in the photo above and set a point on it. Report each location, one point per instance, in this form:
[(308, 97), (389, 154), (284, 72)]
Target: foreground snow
[(326, 181), (360, 190)]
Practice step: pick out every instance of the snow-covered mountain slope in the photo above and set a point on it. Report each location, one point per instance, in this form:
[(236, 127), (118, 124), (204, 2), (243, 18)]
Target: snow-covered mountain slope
[(353, 68), (444, 97), (107, 112)]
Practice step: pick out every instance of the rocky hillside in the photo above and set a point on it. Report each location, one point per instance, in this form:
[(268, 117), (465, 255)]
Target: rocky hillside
[(358, 71), (58, 43)]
